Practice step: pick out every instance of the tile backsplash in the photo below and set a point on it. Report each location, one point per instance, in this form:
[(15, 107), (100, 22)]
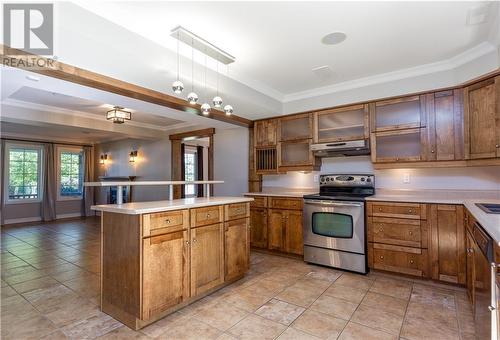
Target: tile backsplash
[(470, 178)]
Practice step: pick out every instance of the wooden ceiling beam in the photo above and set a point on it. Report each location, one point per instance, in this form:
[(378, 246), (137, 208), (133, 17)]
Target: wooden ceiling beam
[(55, 69)]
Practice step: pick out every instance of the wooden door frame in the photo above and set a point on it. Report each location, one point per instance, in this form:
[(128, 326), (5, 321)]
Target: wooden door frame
[(176, 141)]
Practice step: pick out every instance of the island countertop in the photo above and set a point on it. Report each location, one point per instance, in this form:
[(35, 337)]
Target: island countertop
[(137, 208)]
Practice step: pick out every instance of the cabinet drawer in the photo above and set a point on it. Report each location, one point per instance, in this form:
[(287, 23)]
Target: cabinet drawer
[(397, 210), (206, 216), (258, 202), (285, 203), (482, 240), (400, 232), (404, 260), (237, 210), (165, 222)]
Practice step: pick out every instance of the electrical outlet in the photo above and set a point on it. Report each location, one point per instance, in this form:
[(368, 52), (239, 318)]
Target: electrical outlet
[(316, 178), (406, 178)]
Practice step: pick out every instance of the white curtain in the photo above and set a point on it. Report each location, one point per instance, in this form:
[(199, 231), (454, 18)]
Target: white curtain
[(88, 176), (49, 183)]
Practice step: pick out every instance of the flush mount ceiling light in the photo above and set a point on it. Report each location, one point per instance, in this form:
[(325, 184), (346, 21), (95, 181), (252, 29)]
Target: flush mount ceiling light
[(118, 115), (334, 38)]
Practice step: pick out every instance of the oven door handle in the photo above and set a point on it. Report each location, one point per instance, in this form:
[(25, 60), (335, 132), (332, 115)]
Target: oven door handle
[(335, 204)]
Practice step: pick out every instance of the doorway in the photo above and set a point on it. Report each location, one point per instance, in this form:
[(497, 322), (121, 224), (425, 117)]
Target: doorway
[(195, 162), (192, 160)]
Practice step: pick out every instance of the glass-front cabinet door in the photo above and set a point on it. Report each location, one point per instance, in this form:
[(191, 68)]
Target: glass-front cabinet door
[(295, 127), (341, 124), (397, 114), (332, 224), (394, 146), (296, 153)]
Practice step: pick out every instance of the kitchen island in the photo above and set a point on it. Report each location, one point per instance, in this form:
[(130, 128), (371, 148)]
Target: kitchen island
[(157, 257)]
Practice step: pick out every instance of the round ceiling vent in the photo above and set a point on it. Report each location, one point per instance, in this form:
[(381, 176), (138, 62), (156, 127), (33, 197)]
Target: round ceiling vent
[(334, 38)]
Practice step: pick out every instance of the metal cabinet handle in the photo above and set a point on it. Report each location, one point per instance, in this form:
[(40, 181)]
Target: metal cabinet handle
[(195, 240), (491, 308), (410, 211), (167, 221), (497, 146), (411, 232), (379, 209), (187, 242), (381, 230), (411, 261), (381, 257), (432, 151), (208, 215)]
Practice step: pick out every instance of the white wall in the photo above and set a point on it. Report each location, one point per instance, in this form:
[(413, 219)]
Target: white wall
[(231, 161), (470, 178)]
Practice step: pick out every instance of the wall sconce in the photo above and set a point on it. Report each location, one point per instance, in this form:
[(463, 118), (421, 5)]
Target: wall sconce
[(103, 159), (133, 156)]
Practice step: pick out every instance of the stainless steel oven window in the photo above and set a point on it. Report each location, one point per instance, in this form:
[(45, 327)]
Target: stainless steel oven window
[(332, 224)]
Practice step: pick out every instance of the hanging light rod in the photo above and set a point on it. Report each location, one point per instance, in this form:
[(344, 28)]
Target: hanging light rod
[(201, 45)]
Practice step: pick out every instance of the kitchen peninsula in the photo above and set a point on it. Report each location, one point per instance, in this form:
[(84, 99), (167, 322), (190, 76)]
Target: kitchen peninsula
[(157, 257)]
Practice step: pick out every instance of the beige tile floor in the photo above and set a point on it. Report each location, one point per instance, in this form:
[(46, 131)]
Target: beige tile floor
[(50, 287)]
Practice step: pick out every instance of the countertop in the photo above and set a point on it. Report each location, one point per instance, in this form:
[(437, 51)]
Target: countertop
[(489, 222), (135, 208), (433, 196), (284, 192)]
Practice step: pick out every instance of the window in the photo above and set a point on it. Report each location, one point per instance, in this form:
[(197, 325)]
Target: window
[(189, 173), (70, 176), (23, 176)]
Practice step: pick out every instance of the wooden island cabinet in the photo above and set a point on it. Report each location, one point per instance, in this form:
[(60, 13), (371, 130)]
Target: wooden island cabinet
[(154, 263)]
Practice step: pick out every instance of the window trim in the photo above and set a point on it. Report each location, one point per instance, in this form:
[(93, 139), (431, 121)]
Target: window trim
[(32, 146), (191, 150), (59, 150)]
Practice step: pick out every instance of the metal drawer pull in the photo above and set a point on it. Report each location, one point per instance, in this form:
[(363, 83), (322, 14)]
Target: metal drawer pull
[(491, 308), (411, 232), (187, 242), (381, 257), (379, 209), (208, 215), (381, 230), (167, 221), (411, 261), (410, 211)]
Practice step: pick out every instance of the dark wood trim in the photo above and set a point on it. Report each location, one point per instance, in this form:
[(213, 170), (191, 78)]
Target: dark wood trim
[(197, 134), (55, 69)]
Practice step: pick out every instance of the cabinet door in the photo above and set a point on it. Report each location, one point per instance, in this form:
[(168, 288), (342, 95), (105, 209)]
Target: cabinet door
[(258, 227), (445, 126), (296, 153), (341, 124), (207, 258), (482, 119), (295, 127), (294, 241), (470, 267), (448, 243), (276, 229), (165, 272), (265, 132), (398, 146), (397, 114), (236, 248)]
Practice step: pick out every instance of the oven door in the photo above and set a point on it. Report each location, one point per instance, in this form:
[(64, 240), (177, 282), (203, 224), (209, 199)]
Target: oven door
[(338, 225)]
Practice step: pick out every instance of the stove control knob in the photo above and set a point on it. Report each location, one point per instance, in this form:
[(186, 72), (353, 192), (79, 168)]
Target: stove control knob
[(328, 179), (368, 179), (362, 179)]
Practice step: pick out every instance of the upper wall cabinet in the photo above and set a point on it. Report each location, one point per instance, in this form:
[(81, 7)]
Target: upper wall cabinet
[(295, 127), (398, 130), (342, 124), (445, 126), (399, 113), (265, 132), (482, 119)]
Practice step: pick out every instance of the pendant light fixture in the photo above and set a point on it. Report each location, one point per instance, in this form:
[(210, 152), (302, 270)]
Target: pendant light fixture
[(217, 101), (192, 96), (205, 107), (228, 109), (178, 86)]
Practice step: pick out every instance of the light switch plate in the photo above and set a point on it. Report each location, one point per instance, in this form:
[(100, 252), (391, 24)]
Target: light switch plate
[(316, 178), (406, 178)]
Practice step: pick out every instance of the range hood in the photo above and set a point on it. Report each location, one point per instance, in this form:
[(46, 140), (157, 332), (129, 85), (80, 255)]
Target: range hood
[(339, 149)]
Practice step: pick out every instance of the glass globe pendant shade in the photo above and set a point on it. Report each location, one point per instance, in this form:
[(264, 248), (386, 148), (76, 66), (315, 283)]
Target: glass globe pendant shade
[(217, 101), (192, 98), (205, 108), (177, 86), (228, 109)]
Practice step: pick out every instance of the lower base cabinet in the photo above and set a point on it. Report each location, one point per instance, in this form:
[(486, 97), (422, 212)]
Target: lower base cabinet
[(258, 227), (236, 248), (398, 259), (207, 258), (165, 272), (285, 231)]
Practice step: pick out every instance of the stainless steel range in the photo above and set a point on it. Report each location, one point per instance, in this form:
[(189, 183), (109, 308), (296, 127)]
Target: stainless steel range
[(334, 222)]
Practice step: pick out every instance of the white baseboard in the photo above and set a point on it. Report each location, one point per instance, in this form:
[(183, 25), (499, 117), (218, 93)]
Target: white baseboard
[(38, 219), (72, 215), (22, 220)]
